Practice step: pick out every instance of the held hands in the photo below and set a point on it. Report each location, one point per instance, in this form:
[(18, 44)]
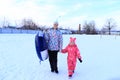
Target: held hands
[(60, 51), (80, 60)]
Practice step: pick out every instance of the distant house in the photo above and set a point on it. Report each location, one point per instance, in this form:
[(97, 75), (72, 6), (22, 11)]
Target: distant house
[(113, 32), (10, 27), (66, 31)]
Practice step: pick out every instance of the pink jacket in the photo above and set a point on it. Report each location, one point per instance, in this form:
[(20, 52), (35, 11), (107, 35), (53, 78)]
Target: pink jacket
[(73, 52)]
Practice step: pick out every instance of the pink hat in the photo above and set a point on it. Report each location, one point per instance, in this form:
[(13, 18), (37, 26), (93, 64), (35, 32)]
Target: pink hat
[(72, 39)]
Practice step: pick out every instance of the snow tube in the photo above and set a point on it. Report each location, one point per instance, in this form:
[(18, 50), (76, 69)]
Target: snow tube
[(41, 46)]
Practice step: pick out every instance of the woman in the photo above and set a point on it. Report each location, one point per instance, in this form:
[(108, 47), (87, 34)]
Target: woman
[(55, 41)]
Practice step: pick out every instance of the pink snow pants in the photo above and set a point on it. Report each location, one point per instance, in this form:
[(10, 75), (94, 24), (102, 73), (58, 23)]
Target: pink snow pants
[(71, 66)]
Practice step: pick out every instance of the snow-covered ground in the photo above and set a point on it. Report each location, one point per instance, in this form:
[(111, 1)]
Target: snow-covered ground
[(101, 58)]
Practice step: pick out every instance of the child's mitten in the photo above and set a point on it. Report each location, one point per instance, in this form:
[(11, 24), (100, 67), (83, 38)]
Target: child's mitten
[(80, 60)]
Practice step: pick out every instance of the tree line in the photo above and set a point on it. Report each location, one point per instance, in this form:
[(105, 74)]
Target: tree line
[(89, 27)]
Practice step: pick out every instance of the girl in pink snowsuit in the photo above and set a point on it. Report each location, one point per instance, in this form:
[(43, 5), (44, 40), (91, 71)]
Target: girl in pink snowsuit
[(73, 54)]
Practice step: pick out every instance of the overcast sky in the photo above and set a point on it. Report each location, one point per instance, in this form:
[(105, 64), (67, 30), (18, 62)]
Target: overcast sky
[(69, 13)]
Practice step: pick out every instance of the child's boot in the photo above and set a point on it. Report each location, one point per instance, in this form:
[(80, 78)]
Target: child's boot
[(70, 75)]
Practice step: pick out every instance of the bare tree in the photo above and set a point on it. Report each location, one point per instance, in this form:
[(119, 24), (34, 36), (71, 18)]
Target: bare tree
[(6, 23), (29, 24), (89, 27), (110, 24), (103, 30)]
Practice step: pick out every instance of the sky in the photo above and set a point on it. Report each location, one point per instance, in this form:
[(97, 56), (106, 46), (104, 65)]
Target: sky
[(69, 13)]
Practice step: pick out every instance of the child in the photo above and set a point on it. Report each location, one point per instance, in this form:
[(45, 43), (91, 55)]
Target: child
[(73, 54)]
